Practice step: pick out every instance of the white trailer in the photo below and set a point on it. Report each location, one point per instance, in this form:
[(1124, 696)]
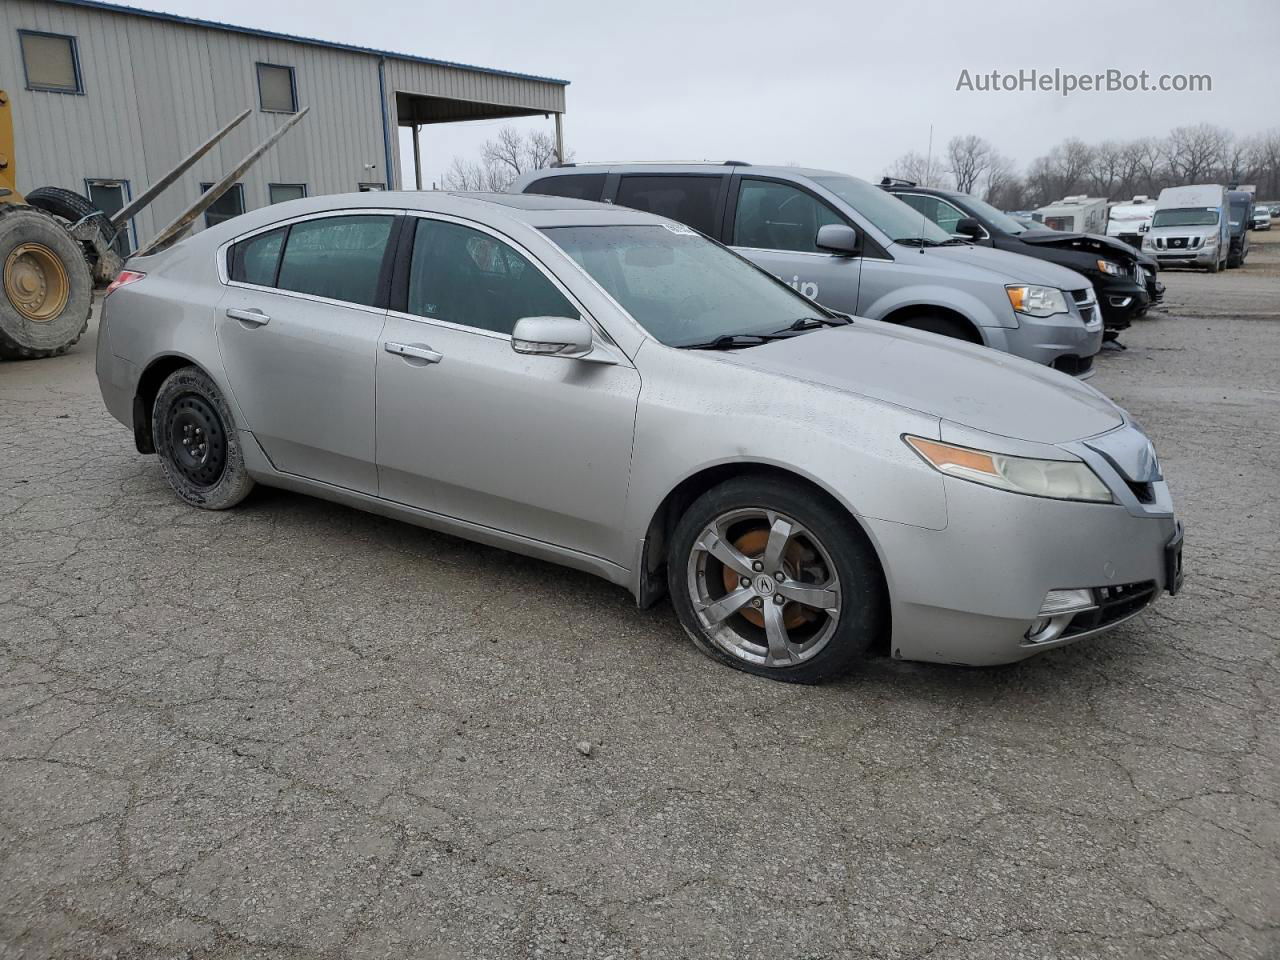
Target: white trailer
[(1128, 220), (1078, 214)]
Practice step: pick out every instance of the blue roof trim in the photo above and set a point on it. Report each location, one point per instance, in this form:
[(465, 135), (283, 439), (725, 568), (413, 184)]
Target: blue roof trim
[(309, 41)]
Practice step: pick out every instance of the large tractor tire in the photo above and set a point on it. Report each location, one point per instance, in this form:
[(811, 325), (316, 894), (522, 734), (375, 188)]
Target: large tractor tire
[(67, 204), (47, 285)]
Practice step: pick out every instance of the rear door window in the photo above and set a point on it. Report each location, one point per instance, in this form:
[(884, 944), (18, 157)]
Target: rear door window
[(580, 186), (691, 200), (474, 279), (339, 258), (778, 216), (255, 260)]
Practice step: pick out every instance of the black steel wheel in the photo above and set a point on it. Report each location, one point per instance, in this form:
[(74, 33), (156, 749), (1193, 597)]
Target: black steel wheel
[(198, 440), (195, 437)]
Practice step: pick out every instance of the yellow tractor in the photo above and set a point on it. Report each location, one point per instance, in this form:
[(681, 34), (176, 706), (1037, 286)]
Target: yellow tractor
[(56, 247)]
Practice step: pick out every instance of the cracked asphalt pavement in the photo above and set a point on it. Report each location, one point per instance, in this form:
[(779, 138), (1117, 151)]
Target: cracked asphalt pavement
[(297, 731)]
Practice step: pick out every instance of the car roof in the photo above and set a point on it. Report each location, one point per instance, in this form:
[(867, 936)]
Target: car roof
[(496, 209), (744, 169)]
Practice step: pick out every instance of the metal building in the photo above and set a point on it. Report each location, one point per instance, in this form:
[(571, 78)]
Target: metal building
[(106, 99)]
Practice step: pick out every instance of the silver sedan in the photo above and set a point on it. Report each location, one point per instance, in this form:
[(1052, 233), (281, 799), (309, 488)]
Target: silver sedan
[(609, 390)]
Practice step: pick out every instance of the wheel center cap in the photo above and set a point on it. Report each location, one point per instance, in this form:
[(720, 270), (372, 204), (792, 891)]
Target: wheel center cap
[(765, 585)]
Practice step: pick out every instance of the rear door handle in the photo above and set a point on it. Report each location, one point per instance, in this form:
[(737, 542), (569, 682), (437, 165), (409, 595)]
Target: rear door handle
[(415, 351), (253, 315)]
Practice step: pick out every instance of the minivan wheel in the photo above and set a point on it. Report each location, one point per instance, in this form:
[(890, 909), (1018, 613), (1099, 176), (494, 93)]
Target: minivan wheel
[(195, 437), (943, 326), (771, 579)]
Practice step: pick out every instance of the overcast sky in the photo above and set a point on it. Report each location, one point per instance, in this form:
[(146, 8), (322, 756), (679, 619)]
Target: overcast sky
[(848, 85)]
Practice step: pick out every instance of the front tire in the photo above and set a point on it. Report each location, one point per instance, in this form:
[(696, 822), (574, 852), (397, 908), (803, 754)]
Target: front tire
[(195, 437), (944, 327), (776, 580)]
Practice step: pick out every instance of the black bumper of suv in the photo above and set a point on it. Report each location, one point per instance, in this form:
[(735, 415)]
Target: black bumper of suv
[(1121, 299)]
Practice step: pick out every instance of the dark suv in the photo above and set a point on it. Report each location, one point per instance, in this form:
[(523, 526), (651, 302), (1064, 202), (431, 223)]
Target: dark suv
[(1124, 279)]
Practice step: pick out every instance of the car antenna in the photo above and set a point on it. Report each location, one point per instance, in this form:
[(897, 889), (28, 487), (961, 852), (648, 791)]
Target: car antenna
[(928, 171)]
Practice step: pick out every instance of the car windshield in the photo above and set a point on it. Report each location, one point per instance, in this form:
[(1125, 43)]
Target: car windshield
[(895, 219), (1185, 217), (995, 218), (681, 287)]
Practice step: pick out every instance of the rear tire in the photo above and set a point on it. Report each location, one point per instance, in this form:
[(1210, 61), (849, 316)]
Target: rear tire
[(773, 579), (943, 326), (196, 439), (46, 288)]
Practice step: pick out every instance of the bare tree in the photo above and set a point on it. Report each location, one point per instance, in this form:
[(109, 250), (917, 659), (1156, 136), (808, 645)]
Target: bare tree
[(1193, 153), (1106, 169), (916, 167), (1002, 186), (502, 159), (1146, 159), (968, 158), (465, 175)]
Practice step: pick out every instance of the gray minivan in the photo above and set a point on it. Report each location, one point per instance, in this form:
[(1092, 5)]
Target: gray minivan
[(854, 248)]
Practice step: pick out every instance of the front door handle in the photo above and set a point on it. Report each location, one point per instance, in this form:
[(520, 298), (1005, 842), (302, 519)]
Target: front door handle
[(252, 316), (414, 351)]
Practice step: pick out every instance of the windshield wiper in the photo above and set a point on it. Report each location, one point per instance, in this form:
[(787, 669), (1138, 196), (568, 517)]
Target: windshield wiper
[(732, 341), (918, 242), (813, 323)]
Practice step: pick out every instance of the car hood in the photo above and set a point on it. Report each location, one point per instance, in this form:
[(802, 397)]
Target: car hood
[(964, 383), (1013, 267), (1081, 242)]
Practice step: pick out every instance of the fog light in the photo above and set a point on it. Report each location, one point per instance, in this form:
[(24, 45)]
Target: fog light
[(1058, 602), (1056, 613)]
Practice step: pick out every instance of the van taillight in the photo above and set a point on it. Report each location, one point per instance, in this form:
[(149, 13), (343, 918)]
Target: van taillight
[(123, 278)]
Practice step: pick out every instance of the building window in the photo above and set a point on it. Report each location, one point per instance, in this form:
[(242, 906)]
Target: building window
[(283, 192), (277, 92), (230, 204), (110, 196), (50, 62)]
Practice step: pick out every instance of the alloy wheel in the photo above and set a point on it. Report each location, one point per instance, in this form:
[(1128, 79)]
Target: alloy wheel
[(764, 588)]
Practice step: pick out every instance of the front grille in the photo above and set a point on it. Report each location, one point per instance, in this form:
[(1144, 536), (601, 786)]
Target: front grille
[(1081, 296), (1073, 365), (1114, 604)]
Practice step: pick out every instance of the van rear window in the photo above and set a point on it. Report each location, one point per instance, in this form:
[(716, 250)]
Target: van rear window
[(689, 199)]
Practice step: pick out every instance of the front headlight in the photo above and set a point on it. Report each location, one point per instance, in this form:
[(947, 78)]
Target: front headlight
[(1036, 301), (1114, 269), (1058, 479), (1211, 240)]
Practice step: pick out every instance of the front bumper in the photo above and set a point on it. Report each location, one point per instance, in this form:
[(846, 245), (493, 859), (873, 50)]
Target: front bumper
[(1063, 341), (971, 593), (1186, 258), (1121, 300)]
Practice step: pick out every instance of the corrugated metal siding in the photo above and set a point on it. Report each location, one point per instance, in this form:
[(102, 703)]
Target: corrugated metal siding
[(154, 90)]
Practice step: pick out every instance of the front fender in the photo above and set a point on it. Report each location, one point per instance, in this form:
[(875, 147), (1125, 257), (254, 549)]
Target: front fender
[(974, 308), (694, 415)]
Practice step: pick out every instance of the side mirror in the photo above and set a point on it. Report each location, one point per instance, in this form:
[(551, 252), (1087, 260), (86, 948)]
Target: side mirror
[(838, 238), (552, 336), (969, 227)]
